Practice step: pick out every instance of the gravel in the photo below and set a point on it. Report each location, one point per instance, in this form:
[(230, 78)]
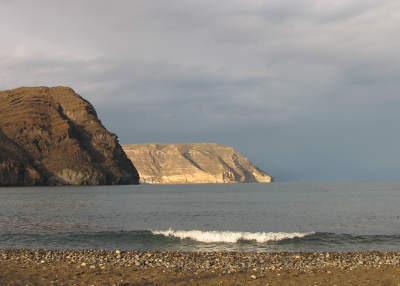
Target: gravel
[(198, 262)]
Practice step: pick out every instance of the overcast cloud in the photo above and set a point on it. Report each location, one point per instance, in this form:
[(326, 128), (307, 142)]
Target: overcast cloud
[(306, 89)]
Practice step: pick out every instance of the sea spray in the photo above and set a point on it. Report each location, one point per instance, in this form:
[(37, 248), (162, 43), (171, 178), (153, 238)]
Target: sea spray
[(229, 236)]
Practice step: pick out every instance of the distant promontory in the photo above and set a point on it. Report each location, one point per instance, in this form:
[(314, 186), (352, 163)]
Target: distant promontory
[(192, 163), (52, 136)]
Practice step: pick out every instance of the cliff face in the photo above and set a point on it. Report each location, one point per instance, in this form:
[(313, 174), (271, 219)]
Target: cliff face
[(192, 163), (16, 168), (55, 138)]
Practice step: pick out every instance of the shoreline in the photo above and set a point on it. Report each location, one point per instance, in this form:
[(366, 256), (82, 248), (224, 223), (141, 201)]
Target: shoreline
[(101, 267)]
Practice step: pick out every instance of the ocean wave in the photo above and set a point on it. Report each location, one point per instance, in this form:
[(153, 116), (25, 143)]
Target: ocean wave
[(229, 236)]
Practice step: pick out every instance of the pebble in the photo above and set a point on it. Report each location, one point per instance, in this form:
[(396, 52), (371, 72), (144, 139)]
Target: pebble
[(198, 262)]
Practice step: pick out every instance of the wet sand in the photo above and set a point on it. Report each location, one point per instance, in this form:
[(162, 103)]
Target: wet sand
[(92, 267)]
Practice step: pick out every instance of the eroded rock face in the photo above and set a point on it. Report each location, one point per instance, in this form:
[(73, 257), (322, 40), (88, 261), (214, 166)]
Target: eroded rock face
[(16, 167), (192, 163), (62, 140)]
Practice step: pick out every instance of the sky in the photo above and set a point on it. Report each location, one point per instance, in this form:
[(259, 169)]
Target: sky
[(308, 90)]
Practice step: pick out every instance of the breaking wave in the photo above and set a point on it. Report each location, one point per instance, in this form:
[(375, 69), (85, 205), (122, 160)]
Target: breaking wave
[(229, 236)]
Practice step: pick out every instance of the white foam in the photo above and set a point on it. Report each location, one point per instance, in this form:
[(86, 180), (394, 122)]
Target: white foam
[(229, 236)]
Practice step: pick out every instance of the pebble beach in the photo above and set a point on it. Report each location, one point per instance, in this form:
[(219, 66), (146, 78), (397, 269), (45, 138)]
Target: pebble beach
[(101, 267)]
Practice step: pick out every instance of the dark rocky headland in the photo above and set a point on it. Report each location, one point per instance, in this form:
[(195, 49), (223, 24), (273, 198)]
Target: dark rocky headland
[(52, 136)]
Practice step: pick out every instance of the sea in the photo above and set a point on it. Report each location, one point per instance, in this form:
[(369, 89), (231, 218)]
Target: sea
[(290, 217)]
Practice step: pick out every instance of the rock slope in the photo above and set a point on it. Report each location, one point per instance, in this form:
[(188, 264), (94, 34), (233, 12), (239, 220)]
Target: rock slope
[(192, 163), (16, 167), (52, 136)]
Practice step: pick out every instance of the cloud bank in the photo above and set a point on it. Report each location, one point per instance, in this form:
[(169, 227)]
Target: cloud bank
[(306, 89)]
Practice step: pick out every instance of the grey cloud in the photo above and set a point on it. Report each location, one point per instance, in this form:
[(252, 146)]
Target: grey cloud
[(308, 90)]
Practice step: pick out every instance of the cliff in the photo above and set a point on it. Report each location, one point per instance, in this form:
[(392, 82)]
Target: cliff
[(192, 163), (16, 168), (52, 136)]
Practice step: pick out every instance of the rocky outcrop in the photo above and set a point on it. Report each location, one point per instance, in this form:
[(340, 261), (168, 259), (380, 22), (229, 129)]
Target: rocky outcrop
[(52, 136), (192, 163), (16, 168)]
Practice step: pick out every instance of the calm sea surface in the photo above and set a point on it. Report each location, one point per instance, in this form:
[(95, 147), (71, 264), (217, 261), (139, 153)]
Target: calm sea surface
[(238, 217)]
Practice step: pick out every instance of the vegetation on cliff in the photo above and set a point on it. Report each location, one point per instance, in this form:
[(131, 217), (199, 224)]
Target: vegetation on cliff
[(52, 136)]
